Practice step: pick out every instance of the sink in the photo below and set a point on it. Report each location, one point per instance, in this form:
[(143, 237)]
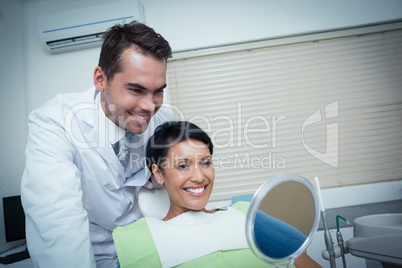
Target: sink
[(378, 237)]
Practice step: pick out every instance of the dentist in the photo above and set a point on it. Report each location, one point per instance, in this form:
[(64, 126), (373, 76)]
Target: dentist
[(78, 184)]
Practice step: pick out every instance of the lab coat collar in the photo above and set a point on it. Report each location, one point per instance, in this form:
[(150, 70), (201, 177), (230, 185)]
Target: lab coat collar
[(114, 132), (97, 131), (88, 109)]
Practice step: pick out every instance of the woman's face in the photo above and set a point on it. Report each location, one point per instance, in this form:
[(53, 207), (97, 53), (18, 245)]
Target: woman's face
[(188, 175)]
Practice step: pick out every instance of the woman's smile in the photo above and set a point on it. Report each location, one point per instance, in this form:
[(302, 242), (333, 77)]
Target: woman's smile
[(197, 191)]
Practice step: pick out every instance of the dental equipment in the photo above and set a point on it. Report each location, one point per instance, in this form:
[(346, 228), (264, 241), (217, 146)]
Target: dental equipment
[(327, 236), (339, 238)]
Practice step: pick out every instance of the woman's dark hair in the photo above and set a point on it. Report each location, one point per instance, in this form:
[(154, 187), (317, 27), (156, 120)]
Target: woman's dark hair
[(120, 37), (169, 134)]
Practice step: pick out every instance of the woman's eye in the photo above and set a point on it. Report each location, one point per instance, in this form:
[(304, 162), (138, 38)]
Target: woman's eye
[(182, 166), (207, 163)]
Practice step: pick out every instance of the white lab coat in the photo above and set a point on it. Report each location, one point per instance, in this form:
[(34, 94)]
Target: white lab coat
[(74, 191)]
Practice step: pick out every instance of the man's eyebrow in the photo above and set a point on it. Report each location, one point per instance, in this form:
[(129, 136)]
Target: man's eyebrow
[(162, 87), (135, 85), (139, 86)]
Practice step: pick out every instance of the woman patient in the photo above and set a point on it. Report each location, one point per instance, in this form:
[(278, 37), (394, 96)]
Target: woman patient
[(179, 155)]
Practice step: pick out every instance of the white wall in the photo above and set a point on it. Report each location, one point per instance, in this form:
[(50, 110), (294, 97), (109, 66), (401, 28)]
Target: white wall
[(190, 24), (216, 22), (29, 76), (12, 104)]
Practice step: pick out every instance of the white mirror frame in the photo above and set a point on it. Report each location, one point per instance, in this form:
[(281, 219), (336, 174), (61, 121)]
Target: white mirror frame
[(252, 212)]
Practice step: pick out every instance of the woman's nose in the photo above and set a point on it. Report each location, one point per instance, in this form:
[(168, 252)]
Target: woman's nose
[(197, 174)]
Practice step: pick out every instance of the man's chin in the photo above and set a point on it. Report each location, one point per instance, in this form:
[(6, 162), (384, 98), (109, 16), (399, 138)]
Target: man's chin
[(137, 129)]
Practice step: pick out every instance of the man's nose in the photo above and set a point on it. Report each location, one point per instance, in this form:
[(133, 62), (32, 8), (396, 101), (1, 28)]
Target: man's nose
[(148, 103)]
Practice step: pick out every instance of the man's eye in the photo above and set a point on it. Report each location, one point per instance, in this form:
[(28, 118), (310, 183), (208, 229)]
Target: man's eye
[(159, 91), (137, 90)]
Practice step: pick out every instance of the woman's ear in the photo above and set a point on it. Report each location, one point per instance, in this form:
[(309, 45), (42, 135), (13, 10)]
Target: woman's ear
[(158, 174), (99, 79)]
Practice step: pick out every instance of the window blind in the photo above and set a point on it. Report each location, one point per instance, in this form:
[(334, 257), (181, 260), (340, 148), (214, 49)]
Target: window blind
[(330, 108)]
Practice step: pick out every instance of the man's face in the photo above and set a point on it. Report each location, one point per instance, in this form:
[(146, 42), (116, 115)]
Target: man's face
[(135, 94)]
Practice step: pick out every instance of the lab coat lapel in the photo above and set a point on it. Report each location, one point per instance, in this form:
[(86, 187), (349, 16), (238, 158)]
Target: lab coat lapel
[(104, 148), (95, 133)]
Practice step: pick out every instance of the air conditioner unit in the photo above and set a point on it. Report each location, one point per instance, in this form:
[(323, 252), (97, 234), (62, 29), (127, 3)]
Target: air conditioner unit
[(83, 28)]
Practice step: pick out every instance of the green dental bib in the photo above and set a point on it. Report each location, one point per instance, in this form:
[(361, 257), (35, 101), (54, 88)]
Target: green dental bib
[(135, 248)]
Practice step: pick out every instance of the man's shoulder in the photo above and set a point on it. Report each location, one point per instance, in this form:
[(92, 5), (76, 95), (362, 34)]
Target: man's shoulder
[(69, 99), (61, 104)]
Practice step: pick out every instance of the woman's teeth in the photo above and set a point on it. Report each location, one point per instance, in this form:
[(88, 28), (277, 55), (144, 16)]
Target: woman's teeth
[(195, 191)]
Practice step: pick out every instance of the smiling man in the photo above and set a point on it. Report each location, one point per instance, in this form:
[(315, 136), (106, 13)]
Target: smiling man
[(85, 153), (133, 95)]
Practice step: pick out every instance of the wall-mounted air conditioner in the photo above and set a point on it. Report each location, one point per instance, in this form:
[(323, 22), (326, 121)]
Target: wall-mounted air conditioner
[(83, 28)]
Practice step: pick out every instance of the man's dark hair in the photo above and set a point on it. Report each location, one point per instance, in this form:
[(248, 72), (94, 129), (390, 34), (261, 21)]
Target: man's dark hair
[(169, 134), (120, 37)]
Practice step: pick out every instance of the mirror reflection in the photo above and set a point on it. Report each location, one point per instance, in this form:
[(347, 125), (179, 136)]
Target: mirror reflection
[(290, 202), (284, 219)]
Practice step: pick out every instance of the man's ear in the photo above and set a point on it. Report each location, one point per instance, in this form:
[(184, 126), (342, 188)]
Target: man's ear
[(100, 80), (158, 174)]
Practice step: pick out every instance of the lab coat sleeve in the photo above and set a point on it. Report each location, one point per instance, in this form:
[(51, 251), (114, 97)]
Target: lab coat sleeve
[(57, 227)]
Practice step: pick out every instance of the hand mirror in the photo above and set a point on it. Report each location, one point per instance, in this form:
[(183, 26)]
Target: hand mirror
[(282, 218)]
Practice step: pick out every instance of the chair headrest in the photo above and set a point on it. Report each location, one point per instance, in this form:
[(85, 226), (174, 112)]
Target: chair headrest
[(154, 203)]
